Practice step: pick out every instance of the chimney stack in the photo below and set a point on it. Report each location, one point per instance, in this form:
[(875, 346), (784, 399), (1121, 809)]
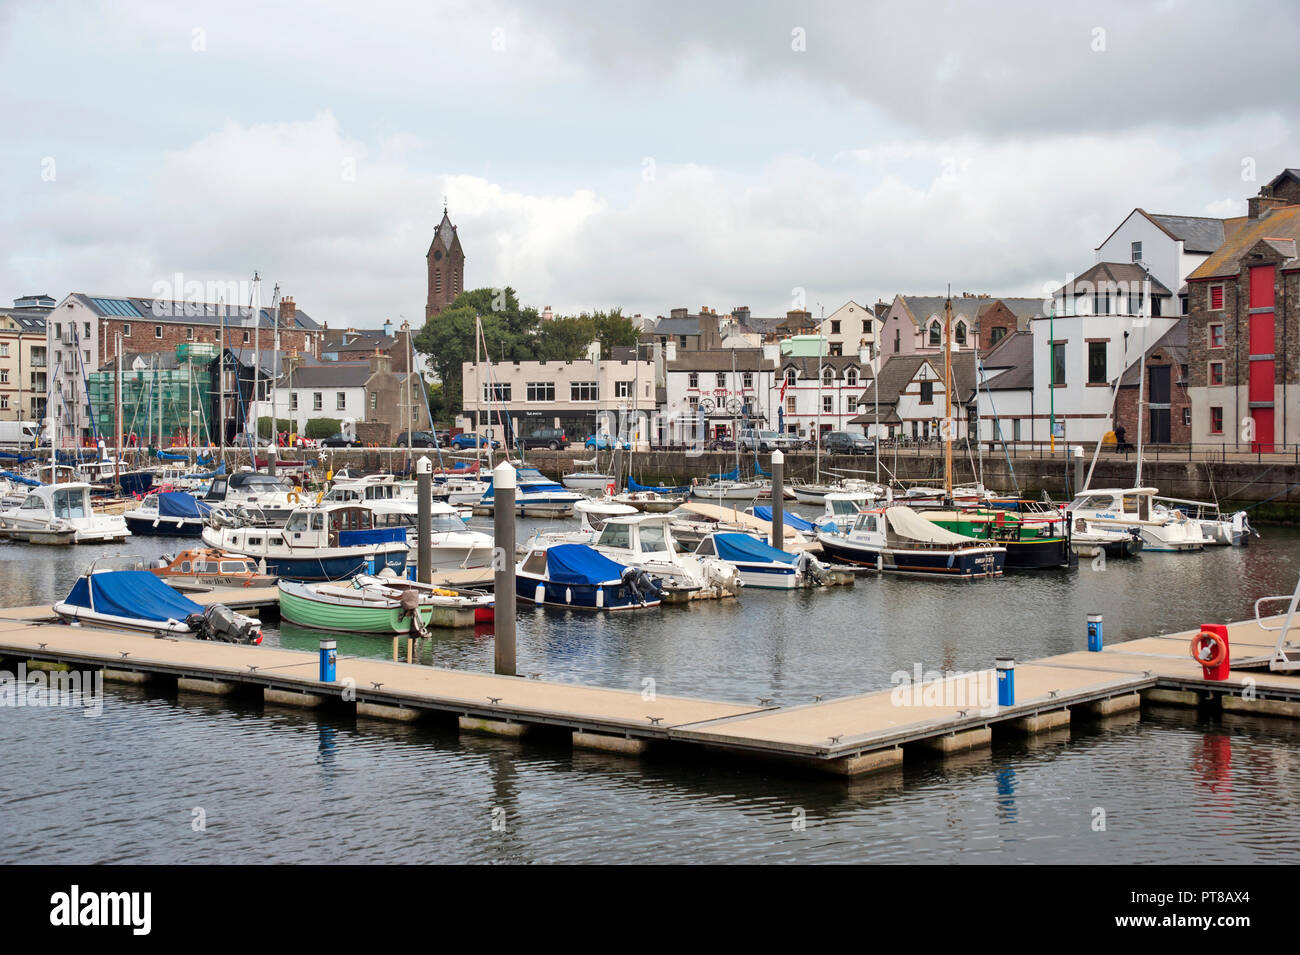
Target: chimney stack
[(380, 363), (288, 311)]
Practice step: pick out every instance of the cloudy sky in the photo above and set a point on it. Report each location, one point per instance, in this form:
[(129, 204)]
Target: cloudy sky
[(645, 155)]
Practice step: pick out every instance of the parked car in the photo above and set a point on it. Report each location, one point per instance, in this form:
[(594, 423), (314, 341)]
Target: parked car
[(751, 439), (604, 442), (337, 440), (444, 437), (842, 442), (421, 439), (553, 438), (468, 439)]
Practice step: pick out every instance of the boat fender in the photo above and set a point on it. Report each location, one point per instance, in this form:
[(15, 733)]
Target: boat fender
[(294, 497)]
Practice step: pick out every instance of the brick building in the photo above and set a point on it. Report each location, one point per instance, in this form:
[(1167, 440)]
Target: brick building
[(1167, 404), (446, 267), (1244, 326), (83, 330)]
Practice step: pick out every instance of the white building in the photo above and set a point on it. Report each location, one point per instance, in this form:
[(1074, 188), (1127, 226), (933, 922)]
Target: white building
[(850, 329), (807, 403), (1170, 247), (710, 394)]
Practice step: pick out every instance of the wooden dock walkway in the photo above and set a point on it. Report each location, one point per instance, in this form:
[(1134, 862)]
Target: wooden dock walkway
[(848, 736)]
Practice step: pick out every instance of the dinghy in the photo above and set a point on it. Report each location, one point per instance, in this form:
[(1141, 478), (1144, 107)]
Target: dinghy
[(139, 601), (175, 514), (370, 604)]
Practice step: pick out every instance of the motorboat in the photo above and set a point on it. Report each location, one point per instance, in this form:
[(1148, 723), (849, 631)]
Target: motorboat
[(898, 540), (330, 542), (1164, 530), (1088, 539), (594, 512), (453, 544), (726, 490), (645, 541), (762, 565), (61, 514), (842, 507), (204, 568), (171, 513), (369, 604), (1219, 529), (589, 478), (140, 601), (651, 502), (275, 497), (536, 495), (695, 520), (1034, 541), (578, 577)]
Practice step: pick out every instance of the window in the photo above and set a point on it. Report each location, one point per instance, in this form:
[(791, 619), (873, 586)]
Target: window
[(340, 401), (4, 376), (693, 380), (1216, 373), (246, 339), (1137, 251), (851, 378), (1216, 335), (1187, 417), (835, 328), (540, 391), (4, 402), (828, 376), (1216, 298), (936, 334), (828, 404), (682, 341), (86, 326), (189, 333), (1182, 304), (316, 401), (126, 329), (836, 350), (374, 401), (997, 334), (293, 401), (791, 376), (1216, 421), (791, 405), (4, 351), (927, 392), (1096, 363), (722, 379), (583, 391), (497, 392), (1058, 363), (157, 332), (747, 380), (960, 333)]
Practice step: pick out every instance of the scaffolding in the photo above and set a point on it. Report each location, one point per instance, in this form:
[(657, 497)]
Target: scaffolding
[(183, 395)]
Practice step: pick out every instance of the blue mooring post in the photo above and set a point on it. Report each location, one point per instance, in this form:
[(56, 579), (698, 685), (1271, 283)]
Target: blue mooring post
[(1006, 668), (328, 659), (1094, 632)]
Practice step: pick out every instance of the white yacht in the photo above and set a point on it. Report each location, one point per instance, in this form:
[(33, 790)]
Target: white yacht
[(645, 541), (454, 544), (61, 514), (1133, 507)]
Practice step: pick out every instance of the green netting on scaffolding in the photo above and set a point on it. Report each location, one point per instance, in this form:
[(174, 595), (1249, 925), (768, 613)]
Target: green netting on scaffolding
[(186, 404)]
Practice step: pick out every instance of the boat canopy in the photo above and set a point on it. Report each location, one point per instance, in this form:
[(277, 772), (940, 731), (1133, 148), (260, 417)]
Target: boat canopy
[(632, 485), (19, 479), (131, 593), (732, 475), (579, 564), (180, 504), (907, 523), (764, 512), (746, 549)]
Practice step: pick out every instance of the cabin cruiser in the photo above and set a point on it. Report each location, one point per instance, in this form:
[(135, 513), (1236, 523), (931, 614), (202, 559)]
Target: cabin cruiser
[(1089, 540), (1125, 508), (173, 513), (453, 544), (578, 577), (729, 490), (898, 540), (1220, 530), (645, 541), (204, 568), (842, 506), (761, 565), (536, 495), (61, 514), (273, 496), (325, 543)]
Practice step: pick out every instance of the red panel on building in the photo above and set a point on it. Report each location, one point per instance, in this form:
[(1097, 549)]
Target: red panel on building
[(1261, 286), (1216, 297), (1261, 381), (1261, 334), (1263, 430)]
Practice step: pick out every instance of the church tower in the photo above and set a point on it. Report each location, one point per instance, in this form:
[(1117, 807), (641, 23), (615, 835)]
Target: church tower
[(446, 267)]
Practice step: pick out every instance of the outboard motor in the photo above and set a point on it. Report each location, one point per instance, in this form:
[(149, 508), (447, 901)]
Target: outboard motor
[(725, 577), (639, 583), (410, 604), (810, 568), (220, 623)]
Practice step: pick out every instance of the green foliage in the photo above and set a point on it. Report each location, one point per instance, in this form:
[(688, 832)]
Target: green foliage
[(318, 428), (264, 426)]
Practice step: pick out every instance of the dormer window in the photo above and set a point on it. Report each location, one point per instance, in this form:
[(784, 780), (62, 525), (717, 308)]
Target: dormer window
[(960, 333), (851, 378), (936, 334), (791, 376), (828, 376)]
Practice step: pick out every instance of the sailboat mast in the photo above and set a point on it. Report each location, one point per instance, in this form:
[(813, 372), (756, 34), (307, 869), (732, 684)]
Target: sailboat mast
[(947, 399), (117, 455), (1142, 378), (276, 366), (221, 380)]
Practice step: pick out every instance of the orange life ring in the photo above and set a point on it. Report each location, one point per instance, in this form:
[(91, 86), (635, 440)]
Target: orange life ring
[(1221, 645)]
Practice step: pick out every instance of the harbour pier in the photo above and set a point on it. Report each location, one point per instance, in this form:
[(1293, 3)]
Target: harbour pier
[(846, 736)]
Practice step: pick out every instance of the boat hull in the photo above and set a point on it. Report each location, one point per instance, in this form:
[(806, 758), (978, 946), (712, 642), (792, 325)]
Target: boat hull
[(962, 564), (164, 527), (530, 588)]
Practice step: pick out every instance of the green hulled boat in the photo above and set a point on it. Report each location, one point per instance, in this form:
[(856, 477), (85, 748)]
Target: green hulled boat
[(1033, 541), (379, 605)]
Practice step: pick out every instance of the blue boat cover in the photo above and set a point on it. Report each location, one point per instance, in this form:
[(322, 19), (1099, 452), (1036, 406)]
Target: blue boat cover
[(19, 479), (180, 504), (13, 456), (530, 481), (579, 564), (632, 485), (131, 593), (732, 475), (746, 549), (169, 456), (380, 535), (763, 512)]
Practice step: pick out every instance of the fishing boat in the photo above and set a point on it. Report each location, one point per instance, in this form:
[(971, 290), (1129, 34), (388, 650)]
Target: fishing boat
[(581, 578), (61, 514), (204, 568), (645, 541), (1032, 542), (174, 513), (536, 495), (140, 601), (331, 542), (898, 540), (1219, 529), (761, 565), (1169, 531), (370, 604)]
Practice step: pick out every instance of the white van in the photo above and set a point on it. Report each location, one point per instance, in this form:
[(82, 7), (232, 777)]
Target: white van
[(19, 434)]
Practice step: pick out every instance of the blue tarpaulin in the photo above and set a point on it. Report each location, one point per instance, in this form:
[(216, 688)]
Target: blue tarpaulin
[(180, 504), (131, 593), (732, 475), (746, 549), (380, 535), (169, 456), (763, 512), (579, 564), (19, 479), (632, 485)]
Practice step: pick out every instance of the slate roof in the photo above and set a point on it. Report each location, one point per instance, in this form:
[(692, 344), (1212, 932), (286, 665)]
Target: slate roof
[(921, 307), (899, 370), (719, 359), (1173, 341), (807, 365), (27, 319), (446, 232), (1198, 233), (332, 374), (193, 313), (677, 326), (1106, 275), (1014, 355), (1280, 224)]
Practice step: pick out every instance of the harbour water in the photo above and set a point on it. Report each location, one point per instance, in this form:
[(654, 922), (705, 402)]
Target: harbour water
[(281, 785)]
